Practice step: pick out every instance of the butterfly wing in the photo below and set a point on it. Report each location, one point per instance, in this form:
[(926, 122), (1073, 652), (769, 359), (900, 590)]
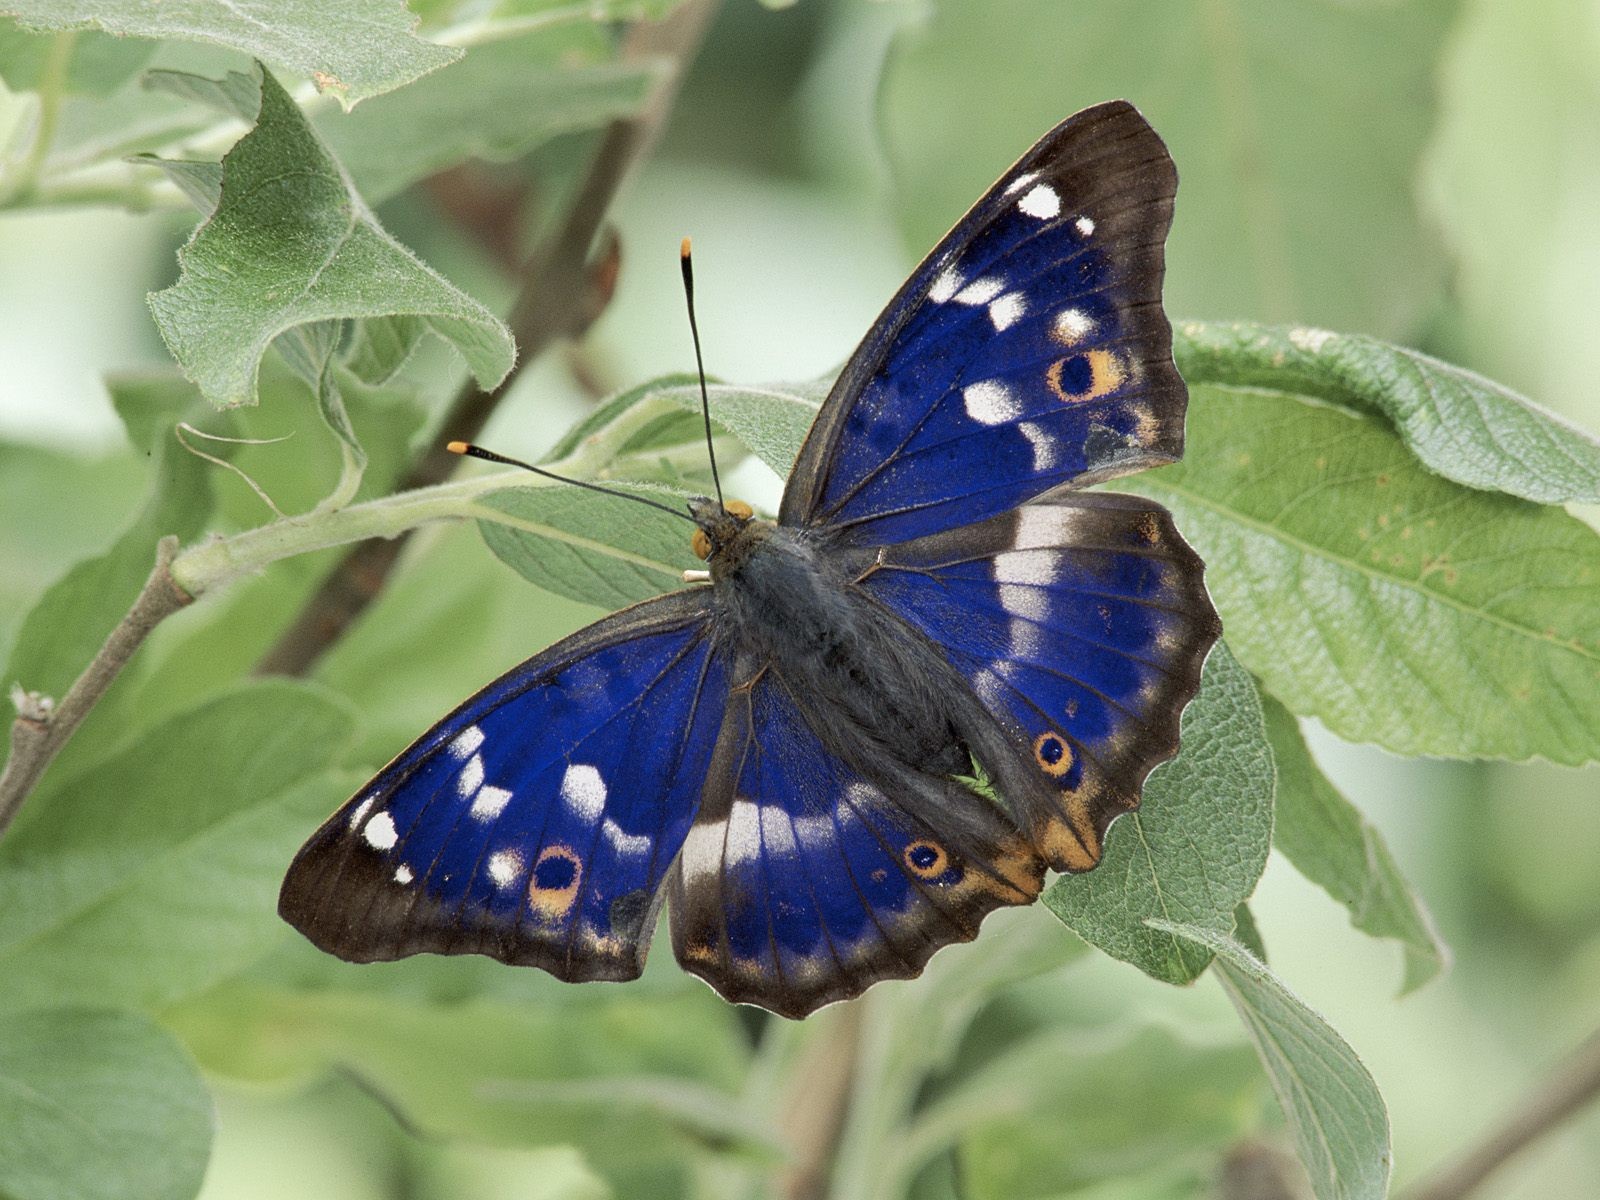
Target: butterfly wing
[(536, 823), (1081, 621), (1028, 350), (805, 879)]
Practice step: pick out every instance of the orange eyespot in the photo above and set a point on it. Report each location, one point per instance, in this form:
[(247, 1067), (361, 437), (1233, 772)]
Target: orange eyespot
[(926, 860), (738, 508), (1053, 754), (700, 544)]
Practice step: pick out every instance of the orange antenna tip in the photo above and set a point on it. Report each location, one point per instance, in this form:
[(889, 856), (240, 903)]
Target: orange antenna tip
[(683, 248), (457, 447)]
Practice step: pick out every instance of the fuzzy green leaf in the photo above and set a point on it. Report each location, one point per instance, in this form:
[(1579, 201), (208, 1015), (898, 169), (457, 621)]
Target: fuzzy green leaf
[(98, 66), (1334, 846), (1397, 607), (597, 549), (1198, 842), (503, 100), (140, 898), (1333, 1108), (291, 242), (773, 421), (359, 48), (1461, 425), (99, 1106)]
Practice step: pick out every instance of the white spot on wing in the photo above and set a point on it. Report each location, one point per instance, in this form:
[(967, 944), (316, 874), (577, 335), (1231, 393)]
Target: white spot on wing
[(1020, 182), (471, 777), (1043, 526), (504, 867), (980, 291), (1022, 601), (1035, 567), (1046, 449), (1041, 201), (702, 849), (777, 834), (380, 832), (1007, 310), (402, 874), (945, 285), (990, 687), (1085, 226), (489, 803), (583, 790), (467, 742), (989, 403), (744, 832), (1072, 324), (625, 843), (360, 813)]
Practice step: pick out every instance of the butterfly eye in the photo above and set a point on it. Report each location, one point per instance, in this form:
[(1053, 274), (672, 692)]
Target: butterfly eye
[(700, 543), (1052, 754), (738, 508)]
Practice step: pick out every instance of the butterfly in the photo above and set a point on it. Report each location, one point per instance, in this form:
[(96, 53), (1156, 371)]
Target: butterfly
[(941, 672)]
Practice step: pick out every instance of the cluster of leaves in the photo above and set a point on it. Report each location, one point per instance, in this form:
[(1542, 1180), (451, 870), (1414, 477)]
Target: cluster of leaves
[(1383, 534)]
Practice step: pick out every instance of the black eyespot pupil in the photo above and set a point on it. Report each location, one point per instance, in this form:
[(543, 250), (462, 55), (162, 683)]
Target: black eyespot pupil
[(923, 857), (554, 874), (1051, 750)]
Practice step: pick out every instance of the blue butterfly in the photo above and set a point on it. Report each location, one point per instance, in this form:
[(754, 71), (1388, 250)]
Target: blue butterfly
[(945, 669)]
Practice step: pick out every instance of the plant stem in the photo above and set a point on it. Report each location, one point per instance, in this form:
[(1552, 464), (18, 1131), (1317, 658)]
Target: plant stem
[(1568, 1091), (561, 294), (40, 729), (818, 1103)]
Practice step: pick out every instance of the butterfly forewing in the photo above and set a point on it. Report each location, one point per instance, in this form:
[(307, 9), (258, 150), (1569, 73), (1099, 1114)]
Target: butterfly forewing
[(536, 823), (1027, 351)]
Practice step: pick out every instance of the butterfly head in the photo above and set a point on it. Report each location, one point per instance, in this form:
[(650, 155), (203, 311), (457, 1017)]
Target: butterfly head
[(719, 524)]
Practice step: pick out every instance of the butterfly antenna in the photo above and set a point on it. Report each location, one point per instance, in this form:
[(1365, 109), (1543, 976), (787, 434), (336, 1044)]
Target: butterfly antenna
[(471, 451), (687, 263)]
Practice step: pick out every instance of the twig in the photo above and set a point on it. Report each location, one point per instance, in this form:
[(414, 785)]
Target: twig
[(41, 729), (560, 296), (1573, 1087), (819, 1101)]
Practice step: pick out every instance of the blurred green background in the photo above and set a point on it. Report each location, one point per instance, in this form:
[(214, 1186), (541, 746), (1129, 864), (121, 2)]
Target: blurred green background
[(1422, 170)]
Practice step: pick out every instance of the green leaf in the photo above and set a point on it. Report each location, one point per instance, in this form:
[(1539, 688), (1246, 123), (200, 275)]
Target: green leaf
[(1334, 846), (500, 102), (99, 1106), (1334, 1111), (1198, 842), (1395, 606), (1297, 131), (773, 421), (154, 873), (200, 181), (235, 94), (1461, 425), (99, 64), (310, 352), (619, 1073), (370, 48), (291, 242), (1133, 1103), (1245, 929), (598, 549), (638, 420)]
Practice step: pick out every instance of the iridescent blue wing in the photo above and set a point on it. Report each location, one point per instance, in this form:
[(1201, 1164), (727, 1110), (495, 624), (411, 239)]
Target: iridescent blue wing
[(536, 823), (1028, 350), (805, 879), (1081, 621)]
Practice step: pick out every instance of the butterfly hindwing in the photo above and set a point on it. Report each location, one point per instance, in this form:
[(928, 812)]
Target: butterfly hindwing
[(804, 881), (1081, 621), (1028, 350), (537, 822)]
